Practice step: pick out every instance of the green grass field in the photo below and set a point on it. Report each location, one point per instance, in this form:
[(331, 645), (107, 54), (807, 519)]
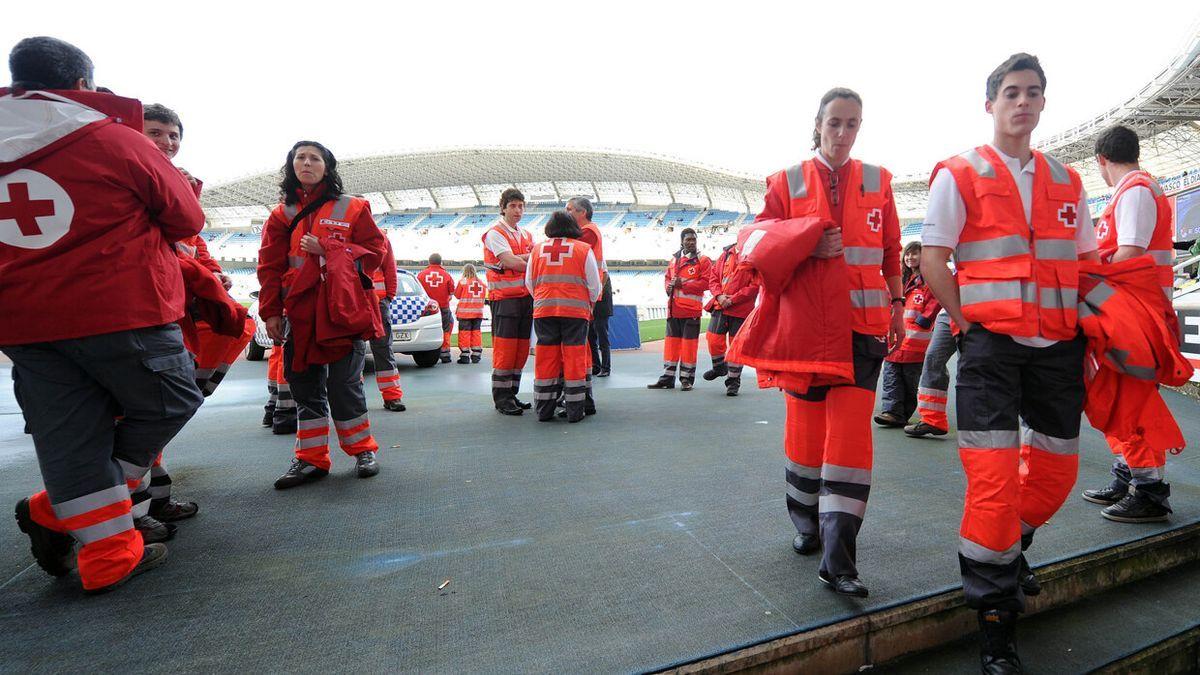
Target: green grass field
[(654, 329)]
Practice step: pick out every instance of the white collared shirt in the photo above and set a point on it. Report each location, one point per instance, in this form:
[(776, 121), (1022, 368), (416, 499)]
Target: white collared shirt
[(1136, 212), (496, 243)]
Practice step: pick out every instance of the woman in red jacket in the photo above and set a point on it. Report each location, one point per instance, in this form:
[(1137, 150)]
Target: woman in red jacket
[(902, 367), (471, 292), (847, 233), (318, 225)]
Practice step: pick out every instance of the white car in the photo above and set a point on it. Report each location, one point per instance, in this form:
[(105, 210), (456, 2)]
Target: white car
[(416, 324)]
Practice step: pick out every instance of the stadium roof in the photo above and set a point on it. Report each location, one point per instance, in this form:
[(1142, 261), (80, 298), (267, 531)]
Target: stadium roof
[(467, 177)]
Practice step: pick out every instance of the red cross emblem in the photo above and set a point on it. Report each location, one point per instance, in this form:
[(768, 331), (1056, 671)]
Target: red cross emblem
[(475, 288), (35, 211), (1102, 230), (433, 280), (875, 219), (1067, 215), (556, 251), (918, 299)]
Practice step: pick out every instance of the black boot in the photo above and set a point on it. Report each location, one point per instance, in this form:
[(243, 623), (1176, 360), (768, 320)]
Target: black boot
[(806, 544), (268, 416), (463, 358), (1027, 579), (843, 584), (1136, 507), (168, 510), (153, 530), (366, 464), (998, 650), (663, 383), (52, 550), (285, 426), (298, 473), (395, 405), (717, 371), (1107, 495), (522, 404), (732, 388), (509, 406)]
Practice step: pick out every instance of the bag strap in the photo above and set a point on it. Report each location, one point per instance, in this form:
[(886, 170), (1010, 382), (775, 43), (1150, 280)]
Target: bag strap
[(308, 211)]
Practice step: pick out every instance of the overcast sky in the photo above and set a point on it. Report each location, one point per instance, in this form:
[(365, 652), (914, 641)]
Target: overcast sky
[(730, 84)]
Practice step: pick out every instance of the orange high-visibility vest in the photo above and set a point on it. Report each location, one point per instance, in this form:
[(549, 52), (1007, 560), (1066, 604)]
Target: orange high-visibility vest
[(506, 283), (591, 237), (334, 219), (560, 279), (471, 296), (862, 234), (1016, 278), (1161, 246)]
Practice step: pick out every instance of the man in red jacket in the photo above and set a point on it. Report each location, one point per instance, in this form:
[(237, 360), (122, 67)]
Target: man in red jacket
[(96, 208), (387, 374), (685, 282), (733, 297), (438, 283)]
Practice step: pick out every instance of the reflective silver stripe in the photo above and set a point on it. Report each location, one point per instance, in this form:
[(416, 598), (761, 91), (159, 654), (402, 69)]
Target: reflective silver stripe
[(911, 314), (546, 383), (869, 298), (804, 471), (1003, 439), (1120, 359), (94, 533), (805, 498), (977, 162), (1058, 172), (1059, 298), (132, 471), (499, 284), (846, 474), (203, 373), (503, 384), (561, 279), (350, 423), (991, 249), (561, 302), (983, 554), (380, 286), (355, 437), (575, 397), (795, 179), (990, 292), (1155, 188), (313, 442), (939, 393), (841, 504), (1163, 257), (918, 334), (1169, 291), (576, 383), (291, 211), (1026, 528), (688, 296), (1152, 473), (1099, 295), (308, 425), (91, 502), (872, 178), (931, 405), (295, 261), (1055, 249), (505, 372), (1047, 443), (863, 255), (340, 207)]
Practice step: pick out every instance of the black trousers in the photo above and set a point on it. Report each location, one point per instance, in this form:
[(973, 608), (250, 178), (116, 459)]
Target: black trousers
[(598, 342)]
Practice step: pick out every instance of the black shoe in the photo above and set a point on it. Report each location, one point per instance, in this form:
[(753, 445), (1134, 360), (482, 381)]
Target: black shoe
[(153, 555), (52, 550), (578, 417), (596, 370), (153, 530), (717, 371), (365, 464), (662, 383), (509, 407), (268, 417), (550, 418), (844, 585), (604, 373), (476, 359), (168, 510), (298, 473), (522, 404), (1136, 508), (732, 389), (395, 405), (1107, 495), (285, 428), (445, 358), (998, 650), (889, 420), (589, 411), (463, 358), (922, 429), (1027, 579), (686, 386), (806, 544)]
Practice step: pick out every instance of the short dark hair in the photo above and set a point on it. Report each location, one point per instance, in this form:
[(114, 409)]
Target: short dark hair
[(435, 258), (290, 183), (157, 112), (1018, 61), (582, 203), (562, 224), (836, 92), (685, 232), (511, 194), (1118, 144), (48, 63)]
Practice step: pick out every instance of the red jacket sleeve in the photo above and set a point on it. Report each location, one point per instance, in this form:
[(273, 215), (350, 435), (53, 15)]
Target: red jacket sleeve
[(741, 286), (272, 264), (714, 275), (168, 196), (450, 287), (367, 234), (204, 258), (699, 284), (774, 205), (891, 237), (389, 269), (670, 277)]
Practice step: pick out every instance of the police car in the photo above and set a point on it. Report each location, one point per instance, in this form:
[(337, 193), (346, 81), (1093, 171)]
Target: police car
[(416, 324)]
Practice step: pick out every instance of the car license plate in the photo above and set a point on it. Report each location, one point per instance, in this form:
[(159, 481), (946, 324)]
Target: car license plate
[(404, 335)]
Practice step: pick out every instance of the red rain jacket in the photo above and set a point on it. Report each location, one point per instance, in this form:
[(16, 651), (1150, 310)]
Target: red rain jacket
[(329, 307), (207, 301), (1133, 345), (799, 335), (736, 281)]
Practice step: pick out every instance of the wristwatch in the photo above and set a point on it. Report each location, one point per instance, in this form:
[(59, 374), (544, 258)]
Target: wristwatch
[(899, 300)]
